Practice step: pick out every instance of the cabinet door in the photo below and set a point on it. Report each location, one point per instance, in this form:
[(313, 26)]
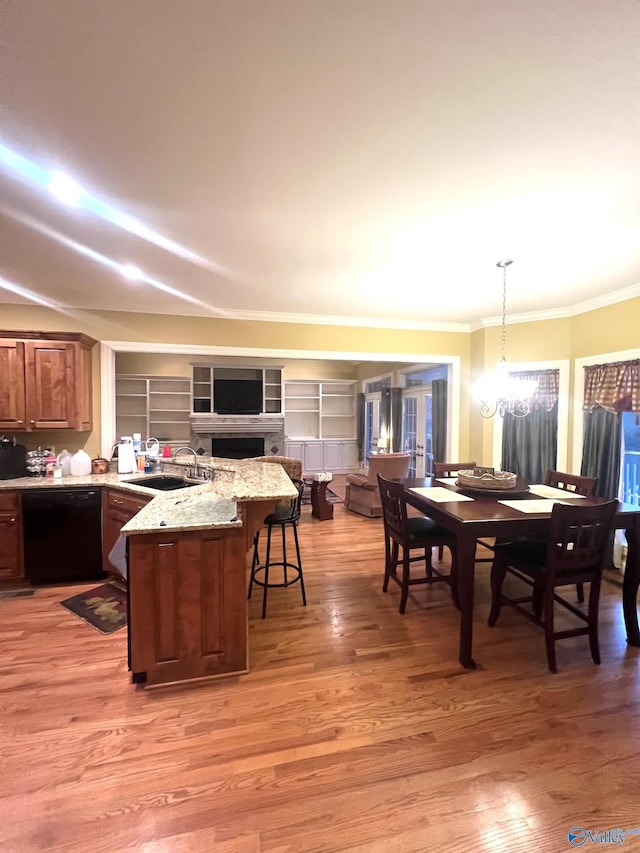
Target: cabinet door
[(313, 456), (117, 508), (294, 449), (83, 388), (50, 375), (12, 388), (350, 456), (333, 455), (187, 605), (11, 564)]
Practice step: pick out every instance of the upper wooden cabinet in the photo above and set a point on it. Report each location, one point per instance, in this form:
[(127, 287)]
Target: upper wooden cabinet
[(45, 381)]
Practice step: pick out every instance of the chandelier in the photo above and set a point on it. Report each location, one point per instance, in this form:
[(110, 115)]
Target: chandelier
[(500, 392)]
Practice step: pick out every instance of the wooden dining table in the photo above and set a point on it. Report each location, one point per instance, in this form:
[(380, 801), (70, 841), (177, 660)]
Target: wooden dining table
[(473, 515)]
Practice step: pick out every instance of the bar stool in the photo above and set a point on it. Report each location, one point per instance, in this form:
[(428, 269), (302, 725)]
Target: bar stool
[(282, 517)]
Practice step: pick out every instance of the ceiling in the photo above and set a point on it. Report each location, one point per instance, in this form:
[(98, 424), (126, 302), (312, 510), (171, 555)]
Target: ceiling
[(334, 160)]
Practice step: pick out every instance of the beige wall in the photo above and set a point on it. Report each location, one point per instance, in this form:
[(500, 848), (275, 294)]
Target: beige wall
[(609, 329)]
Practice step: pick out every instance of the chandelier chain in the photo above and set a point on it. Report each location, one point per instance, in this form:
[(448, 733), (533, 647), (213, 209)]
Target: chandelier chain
[(504, 313)]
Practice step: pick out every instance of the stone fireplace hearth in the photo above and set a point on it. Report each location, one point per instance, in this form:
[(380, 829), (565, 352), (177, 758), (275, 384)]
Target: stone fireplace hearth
[(269, 427)]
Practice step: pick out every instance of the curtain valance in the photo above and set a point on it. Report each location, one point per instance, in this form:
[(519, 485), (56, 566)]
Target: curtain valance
[(614, 387), (547, 389)]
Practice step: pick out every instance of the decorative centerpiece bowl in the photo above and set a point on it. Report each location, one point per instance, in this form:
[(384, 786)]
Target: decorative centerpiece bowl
[(499, 481)]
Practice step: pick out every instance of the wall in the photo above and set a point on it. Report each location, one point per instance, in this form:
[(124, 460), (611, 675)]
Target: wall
[(160, 364), (607, 329)]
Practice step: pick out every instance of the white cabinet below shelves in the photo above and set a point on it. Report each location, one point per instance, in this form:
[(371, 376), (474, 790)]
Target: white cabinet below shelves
[(317, 455), (341, 456)]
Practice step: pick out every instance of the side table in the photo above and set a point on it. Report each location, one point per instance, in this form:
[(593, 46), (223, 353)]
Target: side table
[(320, 507)]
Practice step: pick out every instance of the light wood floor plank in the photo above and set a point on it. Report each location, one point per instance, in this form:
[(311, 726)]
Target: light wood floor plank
[(356, 730)]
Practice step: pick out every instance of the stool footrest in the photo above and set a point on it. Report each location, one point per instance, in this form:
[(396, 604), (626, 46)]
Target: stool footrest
[(284, 566)]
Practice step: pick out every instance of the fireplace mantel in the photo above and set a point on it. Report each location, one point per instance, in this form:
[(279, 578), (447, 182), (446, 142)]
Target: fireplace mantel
[(207, 424)]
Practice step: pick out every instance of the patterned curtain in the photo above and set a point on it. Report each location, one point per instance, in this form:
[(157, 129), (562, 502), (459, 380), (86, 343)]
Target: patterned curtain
[(546, 394), (614, 387)]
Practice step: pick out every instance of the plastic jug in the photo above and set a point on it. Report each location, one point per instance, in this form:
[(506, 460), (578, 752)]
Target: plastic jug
[(64, 461), (80, 464), (152, 448)]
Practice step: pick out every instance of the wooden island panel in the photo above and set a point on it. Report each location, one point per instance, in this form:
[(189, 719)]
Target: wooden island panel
[(187, 605)]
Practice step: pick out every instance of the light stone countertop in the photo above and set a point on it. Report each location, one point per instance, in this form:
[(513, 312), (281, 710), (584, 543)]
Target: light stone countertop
[(210, 504)]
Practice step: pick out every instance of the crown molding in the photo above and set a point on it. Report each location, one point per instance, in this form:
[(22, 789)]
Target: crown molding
[(568, 311)]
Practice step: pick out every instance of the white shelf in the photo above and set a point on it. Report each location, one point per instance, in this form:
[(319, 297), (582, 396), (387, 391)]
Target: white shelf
[(332, 413)]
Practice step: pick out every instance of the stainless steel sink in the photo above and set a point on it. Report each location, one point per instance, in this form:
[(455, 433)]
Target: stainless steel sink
[(162, 482)]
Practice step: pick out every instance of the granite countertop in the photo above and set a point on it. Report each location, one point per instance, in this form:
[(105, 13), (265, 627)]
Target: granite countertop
[(208, 504)]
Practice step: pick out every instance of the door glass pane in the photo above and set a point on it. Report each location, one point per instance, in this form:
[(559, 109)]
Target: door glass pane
[(428, 436), (410, 430), (368, 427), (630, 474)]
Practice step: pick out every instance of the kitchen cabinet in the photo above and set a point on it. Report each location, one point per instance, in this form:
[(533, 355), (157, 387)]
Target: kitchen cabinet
[(118, 507), (187, 605), (45, 381), (11, 555)]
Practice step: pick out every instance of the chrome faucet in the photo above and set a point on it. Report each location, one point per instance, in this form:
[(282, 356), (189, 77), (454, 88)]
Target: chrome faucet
[(195, 458)]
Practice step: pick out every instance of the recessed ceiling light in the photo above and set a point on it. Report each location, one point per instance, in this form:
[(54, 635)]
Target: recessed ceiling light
[(64, 188), (131, 272)]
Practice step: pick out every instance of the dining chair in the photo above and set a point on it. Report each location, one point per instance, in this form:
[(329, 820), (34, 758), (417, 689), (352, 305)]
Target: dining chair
[(282, 517), (409, 534), (448, 469), (574, 552), (584, 486)]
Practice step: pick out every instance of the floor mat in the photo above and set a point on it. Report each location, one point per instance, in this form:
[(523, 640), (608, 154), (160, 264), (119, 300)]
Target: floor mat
[(104, 607)]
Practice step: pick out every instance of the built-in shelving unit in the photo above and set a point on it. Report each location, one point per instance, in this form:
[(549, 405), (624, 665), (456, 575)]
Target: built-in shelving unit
[(320, 424), (203, 386), (157, 406), (320, 409)]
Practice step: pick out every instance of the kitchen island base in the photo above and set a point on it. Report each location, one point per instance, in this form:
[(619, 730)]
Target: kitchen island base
[(187, 599), (187, 605)]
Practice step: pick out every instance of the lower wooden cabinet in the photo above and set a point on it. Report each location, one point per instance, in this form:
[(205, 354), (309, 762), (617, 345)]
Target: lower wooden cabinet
[(118, 507), (11, 559), (187, 605)]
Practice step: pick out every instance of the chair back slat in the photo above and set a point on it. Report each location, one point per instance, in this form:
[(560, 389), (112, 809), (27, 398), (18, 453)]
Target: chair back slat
[(578, 537), (446, 469), (584, 486), (394, 508)]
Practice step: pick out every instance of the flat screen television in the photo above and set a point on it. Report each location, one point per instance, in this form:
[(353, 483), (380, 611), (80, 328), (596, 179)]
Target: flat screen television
[(237, 396)]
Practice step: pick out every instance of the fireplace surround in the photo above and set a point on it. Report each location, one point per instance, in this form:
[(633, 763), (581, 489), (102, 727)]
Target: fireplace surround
[(268, 428)]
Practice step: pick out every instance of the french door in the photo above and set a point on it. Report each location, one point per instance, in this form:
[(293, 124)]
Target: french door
[(417, 430), (371, 423)]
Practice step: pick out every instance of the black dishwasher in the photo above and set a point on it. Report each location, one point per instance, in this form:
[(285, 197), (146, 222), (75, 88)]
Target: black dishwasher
[(62, 535)]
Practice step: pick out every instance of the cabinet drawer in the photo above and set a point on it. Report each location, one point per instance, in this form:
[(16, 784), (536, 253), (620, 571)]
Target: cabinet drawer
[(124, 503), (9, 501)]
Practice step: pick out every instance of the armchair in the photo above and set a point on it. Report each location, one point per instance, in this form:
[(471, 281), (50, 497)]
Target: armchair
[(362, 494)]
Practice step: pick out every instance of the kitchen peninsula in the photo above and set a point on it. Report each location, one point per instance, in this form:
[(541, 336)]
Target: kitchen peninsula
[(186, 582), (187, 560)]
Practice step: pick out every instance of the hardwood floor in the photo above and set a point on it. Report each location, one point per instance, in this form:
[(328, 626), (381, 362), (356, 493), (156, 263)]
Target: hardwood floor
[(356, 729)]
